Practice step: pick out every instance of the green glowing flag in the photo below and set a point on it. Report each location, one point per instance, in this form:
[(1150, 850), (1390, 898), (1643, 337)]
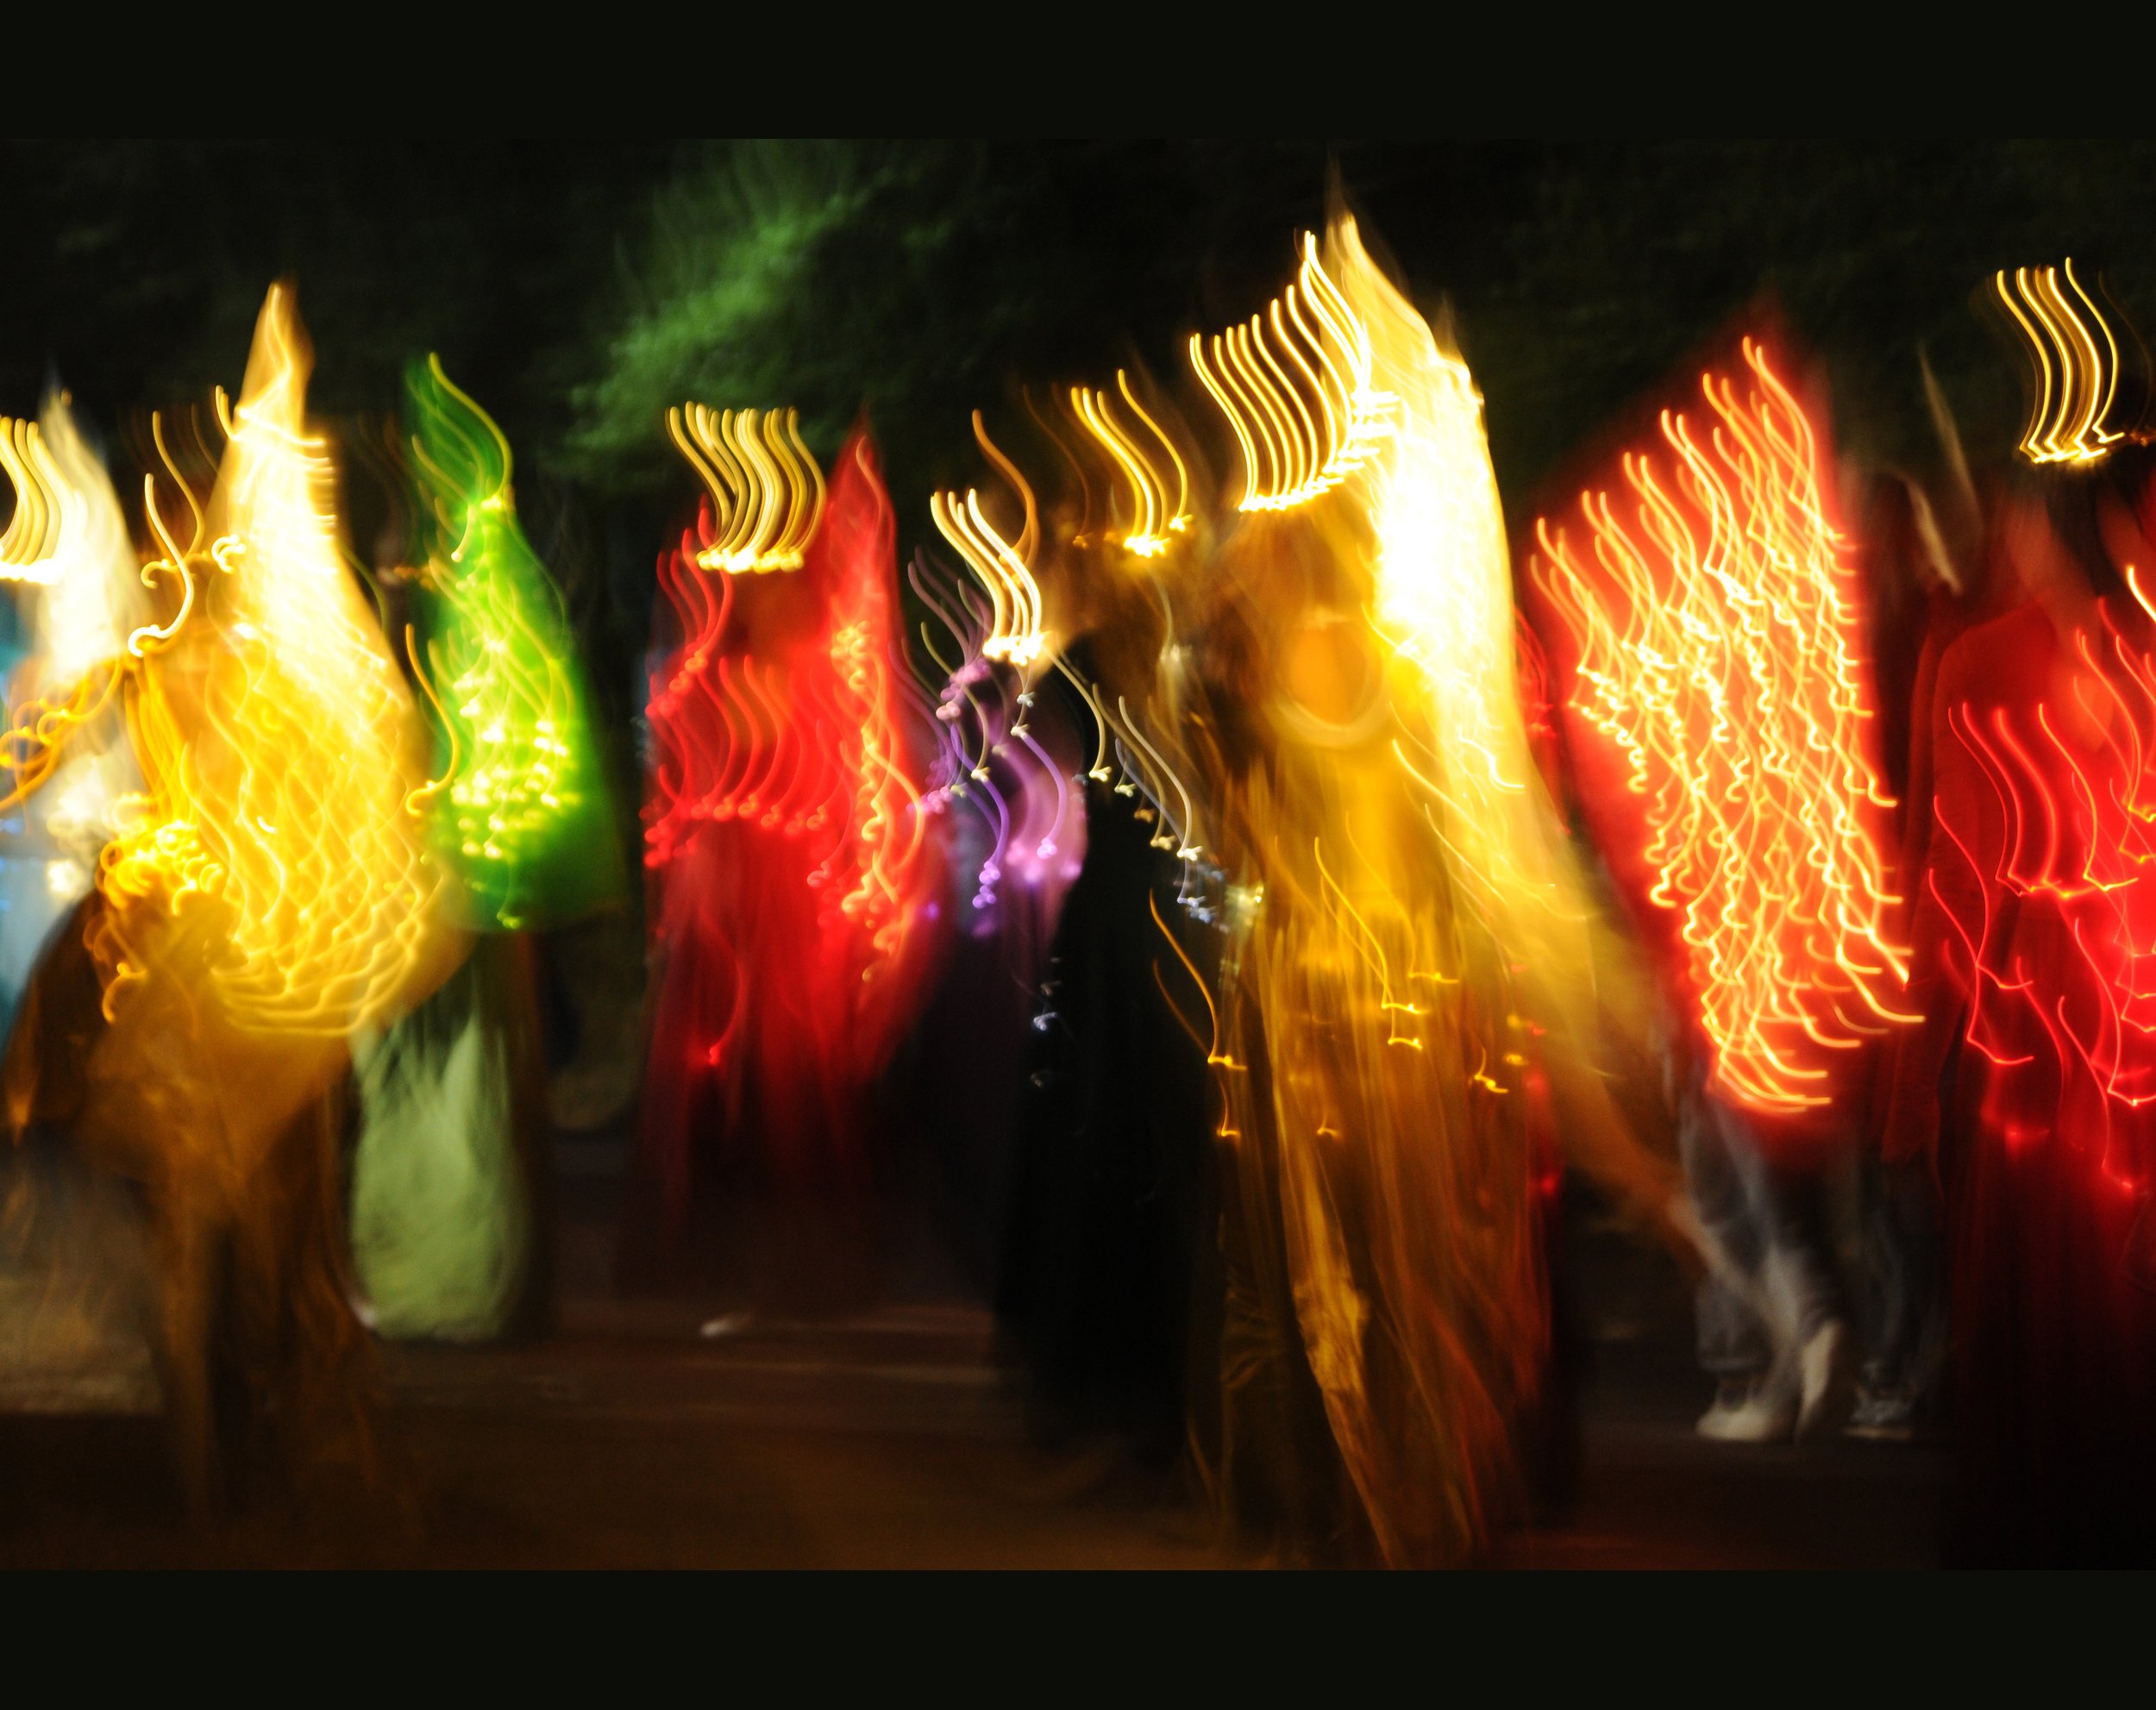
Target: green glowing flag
[(524, 815)]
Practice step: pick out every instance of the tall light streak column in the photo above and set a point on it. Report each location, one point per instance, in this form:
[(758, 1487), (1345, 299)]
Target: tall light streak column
[(790, 868), (1406, 989), (447, 1174), (268, 893)]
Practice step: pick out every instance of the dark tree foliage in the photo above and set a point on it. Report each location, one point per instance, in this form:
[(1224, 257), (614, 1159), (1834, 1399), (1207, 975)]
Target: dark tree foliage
[(919, 281), (136, 268), (580, 288)]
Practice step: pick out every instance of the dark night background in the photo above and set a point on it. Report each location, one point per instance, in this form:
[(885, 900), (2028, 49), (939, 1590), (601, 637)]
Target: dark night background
[(578, 288)]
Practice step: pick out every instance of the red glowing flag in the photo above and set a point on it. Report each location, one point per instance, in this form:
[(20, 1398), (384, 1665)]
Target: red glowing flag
[(2039, 904), (790, 866)]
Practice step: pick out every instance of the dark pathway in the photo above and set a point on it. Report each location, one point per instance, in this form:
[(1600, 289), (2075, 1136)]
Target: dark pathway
[(649, 1434)]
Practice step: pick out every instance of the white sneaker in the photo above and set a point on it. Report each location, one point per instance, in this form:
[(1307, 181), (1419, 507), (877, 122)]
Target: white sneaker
[(1830, 1381), (1747, 1411), (1887, 1416)]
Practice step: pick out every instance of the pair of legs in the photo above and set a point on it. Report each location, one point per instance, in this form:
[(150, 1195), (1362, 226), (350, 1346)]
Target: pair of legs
[(1903, 1308), (1768, 1316)]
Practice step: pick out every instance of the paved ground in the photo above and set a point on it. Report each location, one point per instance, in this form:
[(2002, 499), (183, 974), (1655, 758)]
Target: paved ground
[(636, 1438)]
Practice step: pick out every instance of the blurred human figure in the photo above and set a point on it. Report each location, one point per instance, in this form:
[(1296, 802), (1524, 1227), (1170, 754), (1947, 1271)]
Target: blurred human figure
[(1111, 1181), (790, 873), (268, 895), (1404, 980), (2024, 1090), (1708, 621), (1921, 559), (449, 1177)]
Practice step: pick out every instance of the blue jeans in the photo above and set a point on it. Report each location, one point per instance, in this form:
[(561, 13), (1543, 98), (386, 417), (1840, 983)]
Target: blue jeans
[(1904, 1308), (1777, 1287)]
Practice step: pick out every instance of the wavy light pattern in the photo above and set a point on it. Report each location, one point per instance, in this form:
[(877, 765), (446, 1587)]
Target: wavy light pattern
[(2077, 362), (1156, 518), (1013, 812), (83, 596), (804, 744), (523, 792), (30, 548), (278, 742), (1015, 635), (1295, 383), (767, 491), (2053, 920), (1714, 634), (1404, 985)]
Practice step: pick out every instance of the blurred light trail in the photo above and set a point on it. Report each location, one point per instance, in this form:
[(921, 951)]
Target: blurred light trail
[(1015, 635), (767, 491), (30, 549), (1295, 383), (451, 1096), (1407, 988), (1014, 812), (268, 896), (76, 594), (2077, 365), (793, 867), (1716, 667), (1155, 517), (527, 822), (2044, 876), (279, 746)]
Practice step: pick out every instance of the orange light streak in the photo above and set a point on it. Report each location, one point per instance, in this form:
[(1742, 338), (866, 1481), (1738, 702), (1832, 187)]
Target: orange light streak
[(1156, 518), (1405, 963), (30, 548), (1295, 383), (765, 486), (1016, 636), (1714, 635), (2077, 363)]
